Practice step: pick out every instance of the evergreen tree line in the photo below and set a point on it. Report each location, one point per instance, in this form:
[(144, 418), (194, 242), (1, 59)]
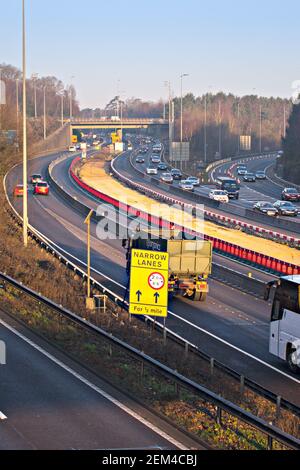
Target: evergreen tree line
[(217, 119), (291, 148)]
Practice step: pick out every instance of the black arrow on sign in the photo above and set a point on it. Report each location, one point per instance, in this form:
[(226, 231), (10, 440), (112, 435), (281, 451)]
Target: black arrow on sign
[(157, 296), (139, 294)]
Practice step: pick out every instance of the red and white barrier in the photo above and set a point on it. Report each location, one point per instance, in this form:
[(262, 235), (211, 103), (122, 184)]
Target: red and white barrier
[(220, 246)]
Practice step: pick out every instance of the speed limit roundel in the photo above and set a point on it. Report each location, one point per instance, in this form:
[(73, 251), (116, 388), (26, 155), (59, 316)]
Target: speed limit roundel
[(156, 281)]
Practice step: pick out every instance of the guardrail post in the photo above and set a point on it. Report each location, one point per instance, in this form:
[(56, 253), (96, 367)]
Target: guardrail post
[(142, 371), (165, 337), (242, 384), (219, 416), (186, 350), (176, 388), (278, 407), (270, 442), (212, 366)]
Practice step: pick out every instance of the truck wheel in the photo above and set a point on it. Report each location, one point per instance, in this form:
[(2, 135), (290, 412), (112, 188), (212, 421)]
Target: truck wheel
[(196, 296), (292, 366)]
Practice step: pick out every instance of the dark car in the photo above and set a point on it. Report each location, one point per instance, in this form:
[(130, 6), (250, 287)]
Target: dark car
[(177, 175), (265, 208), (290, 194), (286, 208), (140, 160), (249, 177), (162, 167)]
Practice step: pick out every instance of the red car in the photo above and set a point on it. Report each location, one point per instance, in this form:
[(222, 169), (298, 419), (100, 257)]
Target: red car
[(290, 194), (19, 191), (41, 188)]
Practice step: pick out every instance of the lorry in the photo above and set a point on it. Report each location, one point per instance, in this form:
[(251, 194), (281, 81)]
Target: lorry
[(190, 264)]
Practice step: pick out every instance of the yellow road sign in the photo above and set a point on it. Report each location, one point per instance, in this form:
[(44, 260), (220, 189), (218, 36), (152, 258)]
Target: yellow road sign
[(74, 139), (149, 277)]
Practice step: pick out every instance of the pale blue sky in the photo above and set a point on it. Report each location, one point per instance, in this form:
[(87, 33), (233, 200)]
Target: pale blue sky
[(226, 45)]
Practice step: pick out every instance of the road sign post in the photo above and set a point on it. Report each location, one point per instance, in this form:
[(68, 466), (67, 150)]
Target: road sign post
[(149, 275)]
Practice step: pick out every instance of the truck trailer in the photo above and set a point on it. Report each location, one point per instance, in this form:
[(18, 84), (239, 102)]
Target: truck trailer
[(190, 264)]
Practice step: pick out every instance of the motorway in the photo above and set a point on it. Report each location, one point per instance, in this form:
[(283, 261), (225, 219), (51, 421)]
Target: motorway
[(231, 326), (48, 402), (249, 193), (266, 190)]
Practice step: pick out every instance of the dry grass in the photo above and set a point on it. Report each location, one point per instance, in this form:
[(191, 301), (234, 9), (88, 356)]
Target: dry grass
[(43, 273)]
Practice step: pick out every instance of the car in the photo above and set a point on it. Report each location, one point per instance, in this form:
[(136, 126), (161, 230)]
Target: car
[(249, 178), (36, 179), (140, 160), (241, 170), (19, 190), (265, 208), (177, 175), (151, 171), (41, 188), (290, 194), (162, 167), (166, 178), (286, 208), (218, 195), (193, 180), (155, 159), (72, 148), (261, 175), (186, 185)]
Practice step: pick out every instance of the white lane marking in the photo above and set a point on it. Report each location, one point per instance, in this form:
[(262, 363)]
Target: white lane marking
[(180, 318), (98, 390), (235, 348), (190, 323), (2, 416), (281, 186), (74, 257)]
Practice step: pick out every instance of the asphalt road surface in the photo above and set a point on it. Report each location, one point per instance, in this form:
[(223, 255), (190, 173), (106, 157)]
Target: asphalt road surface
[(231, 326), (47, 403)]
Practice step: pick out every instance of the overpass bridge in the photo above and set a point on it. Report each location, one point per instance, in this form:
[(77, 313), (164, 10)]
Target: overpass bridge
[(106, 123), (157, 127)]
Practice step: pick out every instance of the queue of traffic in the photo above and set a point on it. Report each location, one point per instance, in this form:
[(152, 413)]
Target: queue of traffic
[(227, 187)]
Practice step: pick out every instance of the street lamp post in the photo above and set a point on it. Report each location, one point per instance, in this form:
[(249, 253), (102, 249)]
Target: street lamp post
[(205, 129), (260, 128), (238, 126), (34, 78), (17, 111), (220, 130), (168, 85), (25, 184), (62, 108), (71, 99), (181, 115), (45, 121), (89, 301)]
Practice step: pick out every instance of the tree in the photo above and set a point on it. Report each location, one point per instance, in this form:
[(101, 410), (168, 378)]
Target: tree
[(291, 147)]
